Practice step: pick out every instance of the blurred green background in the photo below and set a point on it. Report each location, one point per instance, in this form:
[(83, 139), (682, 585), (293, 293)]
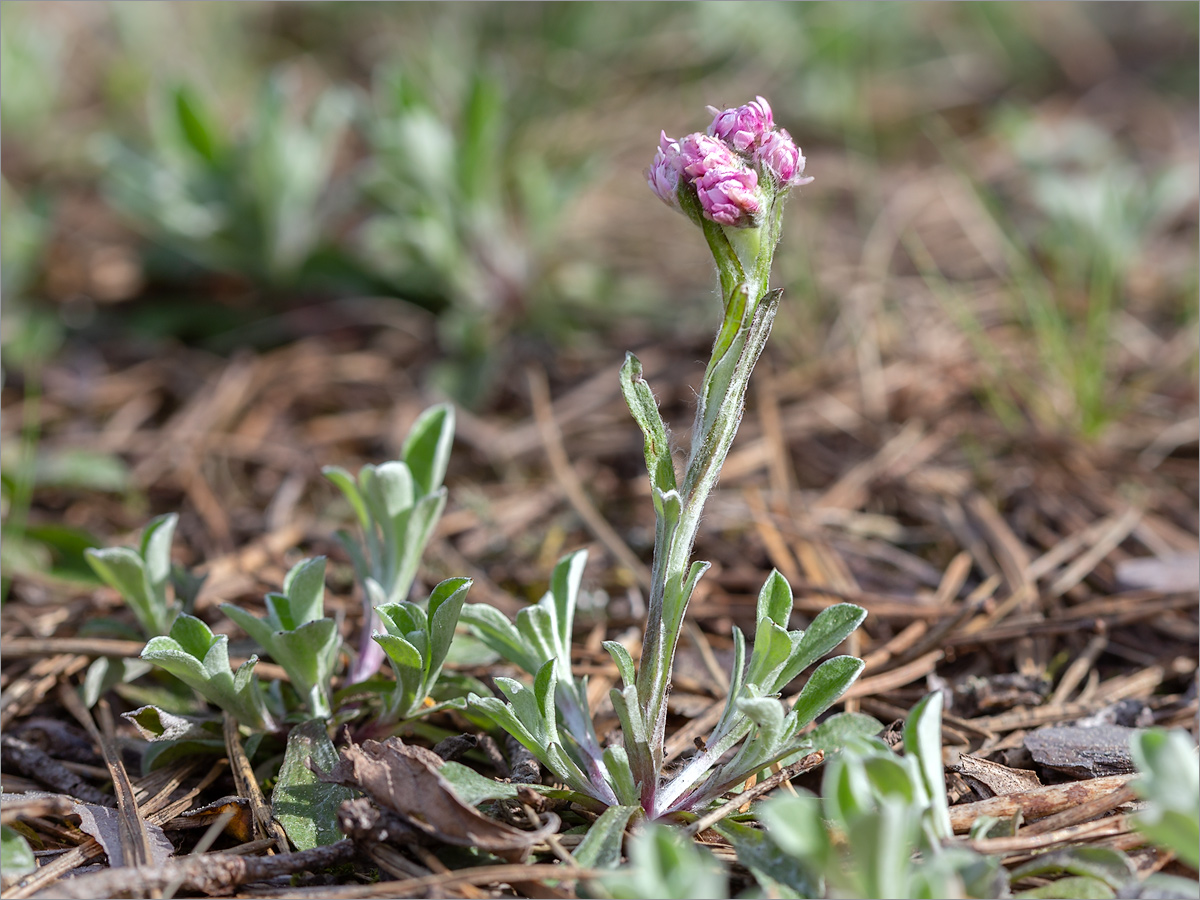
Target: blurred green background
[(197, 171)]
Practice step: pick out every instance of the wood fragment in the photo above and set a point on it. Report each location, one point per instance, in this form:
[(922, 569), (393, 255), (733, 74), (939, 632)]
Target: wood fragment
[(1037, 803)]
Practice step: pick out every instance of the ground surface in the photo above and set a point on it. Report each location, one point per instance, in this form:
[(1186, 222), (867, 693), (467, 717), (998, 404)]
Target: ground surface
[(1026, 547)]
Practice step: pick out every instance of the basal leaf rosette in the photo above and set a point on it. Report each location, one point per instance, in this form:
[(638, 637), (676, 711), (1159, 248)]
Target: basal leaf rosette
[(200, 659)]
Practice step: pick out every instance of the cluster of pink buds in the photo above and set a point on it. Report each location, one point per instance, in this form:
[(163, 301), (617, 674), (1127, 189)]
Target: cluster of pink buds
[(724, 166)]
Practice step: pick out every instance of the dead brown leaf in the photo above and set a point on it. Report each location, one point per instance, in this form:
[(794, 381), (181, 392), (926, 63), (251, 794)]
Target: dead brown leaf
[(405, 780)]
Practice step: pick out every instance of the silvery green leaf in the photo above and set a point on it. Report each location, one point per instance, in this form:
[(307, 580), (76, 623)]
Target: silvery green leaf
[(141, 576), (795, 825), (472, 788), (881, 841), (426, 450), (545, 685), (413, 530), (778, 873), (831, 626), (620, 775), (349, 488), (664, 863), (892, 780), (156, 551), (1110, 866), (304, 586), (200, 659), (773, 647), (823, 688), (623, 660), (493, 628), (640, 399), (564, 589), (124, 571), (836, 731), (16, 856), (306, 807), (737, 681), (668, 506), (390, 490), (676, 602), (402, 617), (1168, 780), (445, 608), (106, 672), (309, 654), (525, 705), (775, 600), (923, 740), (601, 846), (261, 631), (538, 632), (409, 668)]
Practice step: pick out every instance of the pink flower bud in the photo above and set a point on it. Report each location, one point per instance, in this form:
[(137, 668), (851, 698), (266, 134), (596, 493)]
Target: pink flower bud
[(729, 195), (744, 126), (663, 176), (780, 158)]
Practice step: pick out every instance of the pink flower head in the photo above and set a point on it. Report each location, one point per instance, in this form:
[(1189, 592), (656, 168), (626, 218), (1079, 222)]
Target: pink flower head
[(780, 157), (744, 126), (729, 195), (663, 176), (698, 153)]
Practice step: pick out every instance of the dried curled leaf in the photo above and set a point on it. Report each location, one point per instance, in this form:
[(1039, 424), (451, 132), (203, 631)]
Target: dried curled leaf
[(103, 824), (405, 780)]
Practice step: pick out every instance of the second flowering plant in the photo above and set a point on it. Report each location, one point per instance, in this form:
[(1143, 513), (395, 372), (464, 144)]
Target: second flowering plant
[(732, 181)]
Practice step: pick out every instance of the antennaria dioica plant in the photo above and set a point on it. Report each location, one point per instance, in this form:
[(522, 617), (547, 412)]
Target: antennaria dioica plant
[(732, 183)]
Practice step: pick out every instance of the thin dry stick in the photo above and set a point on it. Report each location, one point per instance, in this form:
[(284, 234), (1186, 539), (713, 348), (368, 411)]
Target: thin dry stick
[(902, 641), (41, 678), (436, 885), (892, 679), (135, 840), (206, 840), (753, 793), (16, 648), (1079, 669), (1072, 834), (33, 807), (247, 786), (556, 454), (700, 642), (213, 873), (1104, 545)]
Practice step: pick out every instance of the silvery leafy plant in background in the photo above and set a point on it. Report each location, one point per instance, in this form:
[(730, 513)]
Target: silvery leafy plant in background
[(397, 505), (732, 182)]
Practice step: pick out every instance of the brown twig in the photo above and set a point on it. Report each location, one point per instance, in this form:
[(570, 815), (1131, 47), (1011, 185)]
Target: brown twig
[(214, 874)]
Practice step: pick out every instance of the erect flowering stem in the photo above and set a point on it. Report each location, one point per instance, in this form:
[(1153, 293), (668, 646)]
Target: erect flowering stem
[(738, 203)]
